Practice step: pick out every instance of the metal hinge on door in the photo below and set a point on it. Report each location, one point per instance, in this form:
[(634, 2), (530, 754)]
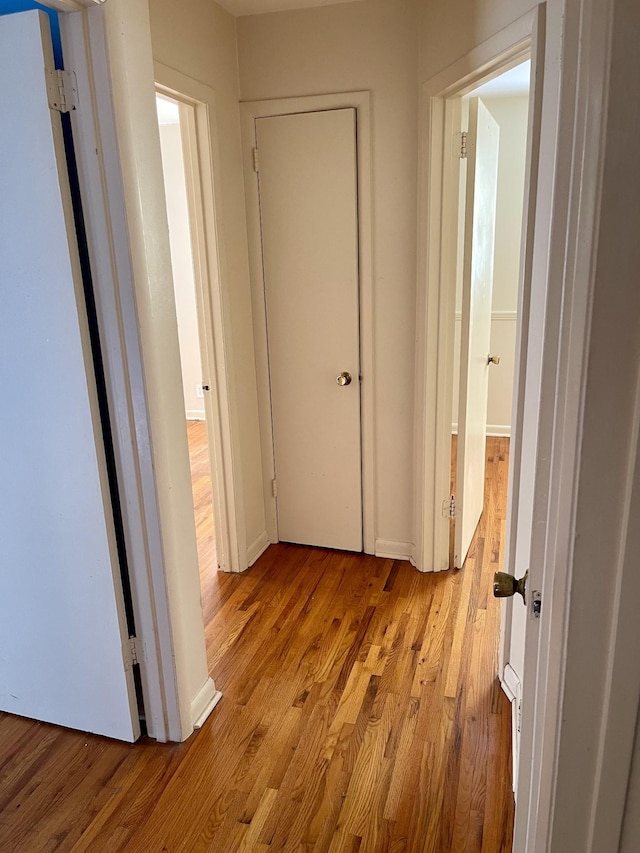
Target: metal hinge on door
[(256, 161), (62, 90), (274, 488), (460, 145), (449, 508), (131, 653)]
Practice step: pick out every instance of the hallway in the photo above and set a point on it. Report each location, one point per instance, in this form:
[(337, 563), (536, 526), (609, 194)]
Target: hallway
[(361, 711)]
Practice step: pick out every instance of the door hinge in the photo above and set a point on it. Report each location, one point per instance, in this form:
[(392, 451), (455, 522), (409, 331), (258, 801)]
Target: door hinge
[(62, 90), (460, 145), (132, 655), (449, 508), (256, 161), (274, 488)]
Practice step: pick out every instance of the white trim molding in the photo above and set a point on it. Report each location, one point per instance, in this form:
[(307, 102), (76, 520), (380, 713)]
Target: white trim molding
[(493, 430), (392, 550), (173, 624), (512, 688), (495, 316), (257, 548), (204, 702), (437, 261), (103, 198), (202, 162)]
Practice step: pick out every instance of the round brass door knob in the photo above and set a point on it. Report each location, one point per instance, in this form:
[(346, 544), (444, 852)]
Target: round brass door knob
[(505, 585), (344, 379), (493, 359)]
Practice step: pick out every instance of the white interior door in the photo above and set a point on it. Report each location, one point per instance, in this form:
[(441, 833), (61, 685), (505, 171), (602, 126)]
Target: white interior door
[(309, 218), (62, 627), (477, 286)]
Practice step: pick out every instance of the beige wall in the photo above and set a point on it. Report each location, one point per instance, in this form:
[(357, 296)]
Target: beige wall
[(198, 38), (383, 46), (373, 46), (450, 30)]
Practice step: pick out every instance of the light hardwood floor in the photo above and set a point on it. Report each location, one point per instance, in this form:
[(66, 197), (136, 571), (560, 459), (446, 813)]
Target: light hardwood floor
[(202, 497), (361, 712)]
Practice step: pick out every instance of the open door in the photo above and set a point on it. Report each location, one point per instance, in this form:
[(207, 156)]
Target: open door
[(62, 626), (477, 287)]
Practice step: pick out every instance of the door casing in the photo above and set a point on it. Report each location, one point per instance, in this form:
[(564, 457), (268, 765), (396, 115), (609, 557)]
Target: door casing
[(436, 302), (96, 44), (249, 112)]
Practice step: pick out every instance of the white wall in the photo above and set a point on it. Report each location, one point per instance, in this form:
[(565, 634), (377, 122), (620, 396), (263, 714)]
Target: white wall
[(373, 46), (182, 267), (198, 38), (511, 114)]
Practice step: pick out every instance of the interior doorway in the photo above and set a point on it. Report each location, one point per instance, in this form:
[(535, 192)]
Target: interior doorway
[(180, 180), (506, 97)]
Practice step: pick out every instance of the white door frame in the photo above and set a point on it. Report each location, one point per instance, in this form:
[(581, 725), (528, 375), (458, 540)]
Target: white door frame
[(524, 40), (581, 709), (99, 177), (249, 112), (437, 262), (98, 44), (202, 166), (582, 685), (527, 37)]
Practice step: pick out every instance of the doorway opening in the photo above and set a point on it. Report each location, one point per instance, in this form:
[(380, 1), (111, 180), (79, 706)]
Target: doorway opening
[(181, 177), (492, 341), (485, 331)]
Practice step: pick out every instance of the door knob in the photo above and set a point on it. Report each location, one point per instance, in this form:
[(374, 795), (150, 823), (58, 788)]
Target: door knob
[(493, 359), (344, 378), (505, 585)]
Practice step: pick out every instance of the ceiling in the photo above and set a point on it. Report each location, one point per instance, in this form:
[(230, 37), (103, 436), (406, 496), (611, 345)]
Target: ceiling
[(257, 7)]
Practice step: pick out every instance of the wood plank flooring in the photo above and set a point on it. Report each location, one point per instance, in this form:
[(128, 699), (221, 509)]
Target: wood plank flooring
[(202, 496), (361, 712)]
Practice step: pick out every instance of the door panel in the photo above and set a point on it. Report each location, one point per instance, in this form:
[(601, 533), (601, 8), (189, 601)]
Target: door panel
[(62, 627), (477, 286), (308, 207)]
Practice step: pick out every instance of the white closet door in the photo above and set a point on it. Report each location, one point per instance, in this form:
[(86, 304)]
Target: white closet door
[(477, 288), (308, 204), (62, 628)]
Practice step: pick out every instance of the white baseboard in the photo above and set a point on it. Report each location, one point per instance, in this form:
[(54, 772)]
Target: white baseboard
[(512, 316), (195, 415), (495, 430), (512, 688), (510, 682), (257, 548), (204, 702), (392, 550), (499, 430)]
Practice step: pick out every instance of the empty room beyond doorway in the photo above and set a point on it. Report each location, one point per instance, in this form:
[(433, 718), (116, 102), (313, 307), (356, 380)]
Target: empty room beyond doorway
[(173, 129)]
